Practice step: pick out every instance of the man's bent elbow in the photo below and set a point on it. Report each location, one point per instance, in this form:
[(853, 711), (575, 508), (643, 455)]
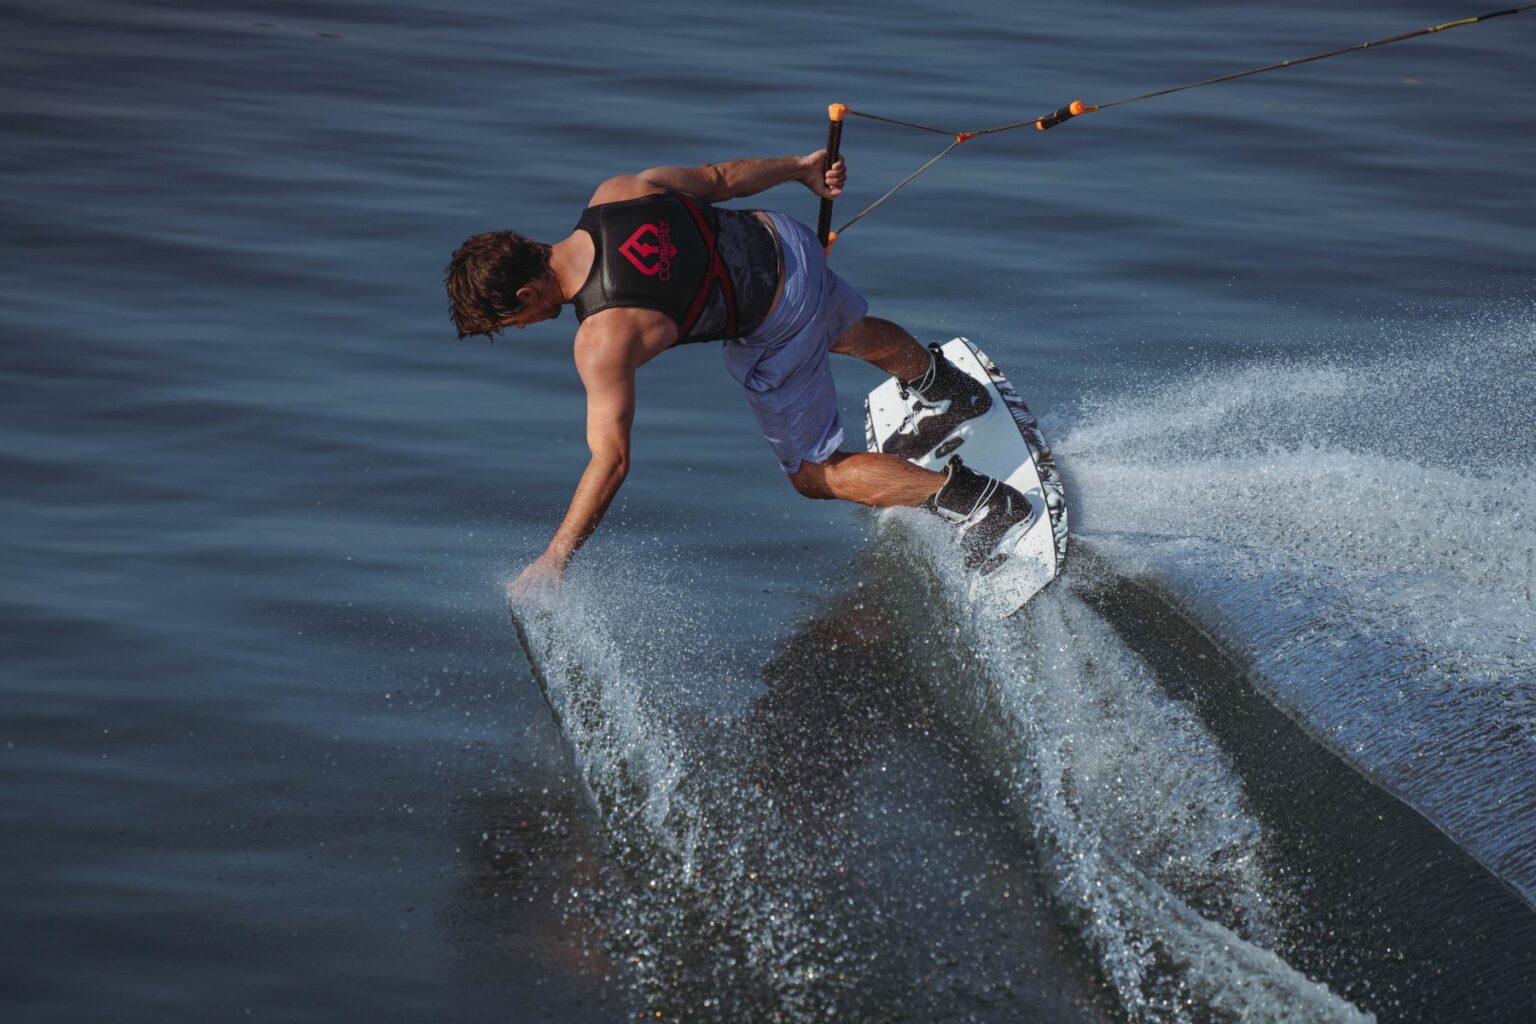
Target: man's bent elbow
[(616, 466), (610, 463)]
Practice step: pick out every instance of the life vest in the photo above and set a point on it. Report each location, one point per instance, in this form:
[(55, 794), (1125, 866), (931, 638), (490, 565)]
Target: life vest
[(712, 270)]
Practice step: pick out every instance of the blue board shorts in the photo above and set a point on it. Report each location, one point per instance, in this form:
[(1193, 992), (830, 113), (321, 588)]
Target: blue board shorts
[(783, 365)]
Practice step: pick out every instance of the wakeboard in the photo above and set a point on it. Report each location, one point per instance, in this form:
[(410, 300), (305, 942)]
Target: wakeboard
[(1003, 442)]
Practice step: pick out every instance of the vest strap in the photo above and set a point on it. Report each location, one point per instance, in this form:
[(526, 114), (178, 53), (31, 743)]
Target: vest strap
[(714, 272)]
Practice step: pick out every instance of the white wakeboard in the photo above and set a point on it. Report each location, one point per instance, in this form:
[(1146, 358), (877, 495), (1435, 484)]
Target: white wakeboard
[(1003, 442)]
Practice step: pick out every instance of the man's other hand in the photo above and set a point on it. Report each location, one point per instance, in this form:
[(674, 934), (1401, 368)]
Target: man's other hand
[(539, 582)]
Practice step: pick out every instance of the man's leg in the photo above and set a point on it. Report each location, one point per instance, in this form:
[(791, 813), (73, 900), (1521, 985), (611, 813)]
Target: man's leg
[(868, 478), (986, 511), (886, 345), (871, 478), (945, 395)]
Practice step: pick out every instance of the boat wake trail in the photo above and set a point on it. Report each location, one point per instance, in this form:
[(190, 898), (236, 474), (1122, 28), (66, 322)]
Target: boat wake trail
[(1360, 536), (797, 852), (1136, 814), (689, 869), (787, 841), (1094, 810)]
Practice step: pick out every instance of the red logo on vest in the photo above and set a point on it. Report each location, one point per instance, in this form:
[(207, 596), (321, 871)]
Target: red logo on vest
[(638, 252)]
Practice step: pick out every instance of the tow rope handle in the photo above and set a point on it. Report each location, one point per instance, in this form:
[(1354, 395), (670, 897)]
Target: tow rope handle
[(835, 114)]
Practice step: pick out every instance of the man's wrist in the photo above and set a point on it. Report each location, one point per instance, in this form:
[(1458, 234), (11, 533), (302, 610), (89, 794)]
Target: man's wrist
[(810, 167)]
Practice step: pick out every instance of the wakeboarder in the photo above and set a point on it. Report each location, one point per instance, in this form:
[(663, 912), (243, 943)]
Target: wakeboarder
[(655, 263)]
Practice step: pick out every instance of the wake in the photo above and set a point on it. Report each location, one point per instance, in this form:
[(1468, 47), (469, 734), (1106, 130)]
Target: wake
[(1360, 535)]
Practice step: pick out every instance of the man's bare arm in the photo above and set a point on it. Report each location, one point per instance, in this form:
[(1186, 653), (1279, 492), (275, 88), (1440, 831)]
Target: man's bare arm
[(607, 368), (733, 179), (608, 371)]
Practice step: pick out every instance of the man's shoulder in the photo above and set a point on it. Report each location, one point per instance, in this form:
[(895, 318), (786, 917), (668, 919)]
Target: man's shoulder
[(623, 188), (624, 334)]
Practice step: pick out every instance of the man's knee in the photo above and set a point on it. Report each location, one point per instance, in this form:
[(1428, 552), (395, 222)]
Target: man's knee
[(859, 332), (811, 478)]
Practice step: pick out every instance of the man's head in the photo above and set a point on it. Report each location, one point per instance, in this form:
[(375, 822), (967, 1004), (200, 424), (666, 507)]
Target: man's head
[(500, 279)]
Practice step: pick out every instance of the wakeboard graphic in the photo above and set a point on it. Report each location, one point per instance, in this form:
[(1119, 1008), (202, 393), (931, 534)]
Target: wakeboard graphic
[(1004, 442)]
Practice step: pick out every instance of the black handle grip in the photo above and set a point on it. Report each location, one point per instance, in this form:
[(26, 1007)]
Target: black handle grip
[(834, 141)]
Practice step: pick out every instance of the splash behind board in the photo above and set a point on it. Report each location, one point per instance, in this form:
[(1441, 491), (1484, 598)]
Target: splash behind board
[(1004, 442)]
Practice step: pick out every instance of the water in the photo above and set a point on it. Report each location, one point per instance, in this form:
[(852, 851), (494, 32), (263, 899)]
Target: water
[(273, 748)]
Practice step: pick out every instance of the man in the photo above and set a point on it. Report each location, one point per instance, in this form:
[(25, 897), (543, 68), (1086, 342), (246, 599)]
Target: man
[(653, 264)]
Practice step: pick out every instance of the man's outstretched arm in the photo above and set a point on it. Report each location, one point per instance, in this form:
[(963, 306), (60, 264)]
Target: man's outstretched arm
[(608, 371), (733, 179)]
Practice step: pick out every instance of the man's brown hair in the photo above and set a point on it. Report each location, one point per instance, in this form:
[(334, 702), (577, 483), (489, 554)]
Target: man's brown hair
[(484, 275)]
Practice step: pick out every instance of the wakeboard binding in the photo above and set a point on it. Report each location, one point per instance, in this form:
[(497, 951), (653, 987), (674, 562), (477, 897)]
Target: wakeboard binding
[(989, 513), (937, 402)]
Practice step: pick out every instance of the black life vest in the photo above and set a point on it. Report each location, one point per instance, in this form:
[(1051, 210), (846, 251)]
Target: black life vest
[(712, 270)]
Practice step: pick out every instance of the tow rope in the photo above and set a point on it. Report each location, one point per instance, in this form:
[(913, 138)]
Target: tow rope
[(837, 112)]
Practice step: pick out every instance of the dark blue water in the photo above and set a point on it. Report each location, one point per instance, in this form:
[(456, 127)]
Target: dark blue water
[(273, 749)]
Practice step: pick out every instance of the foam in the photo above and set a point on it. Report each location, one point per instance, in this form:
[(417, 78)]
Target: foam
[(1137, 813), (687, 839), (1361, 533)]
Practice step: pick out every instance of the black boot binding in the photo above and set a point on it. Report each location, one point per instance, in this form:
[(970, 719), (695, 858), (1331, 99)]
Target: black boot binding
[(946, 397), (983, 507)]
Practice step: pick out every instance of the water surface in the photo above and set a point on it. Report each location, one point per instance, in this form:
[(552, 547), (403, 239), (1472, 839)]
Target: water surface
[(272, 745)]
